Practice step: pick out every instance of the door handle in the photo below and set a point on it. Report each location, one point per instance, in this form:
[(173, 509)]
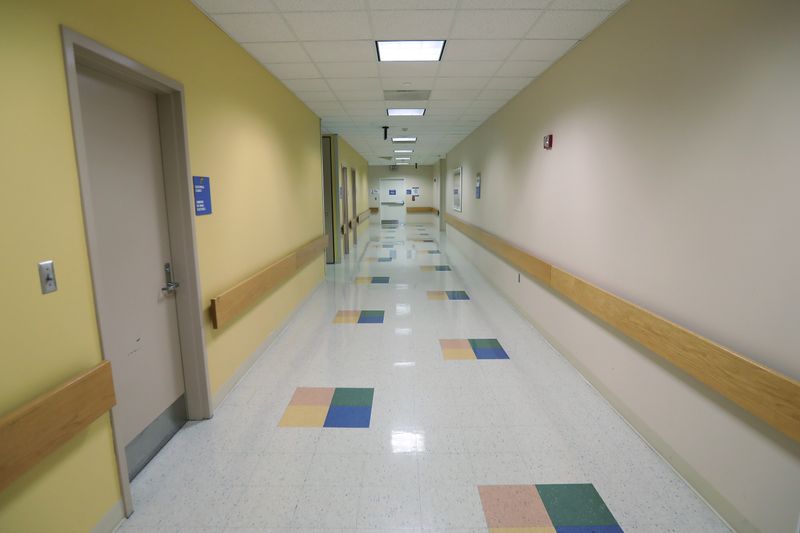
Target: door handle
[(170, 286)]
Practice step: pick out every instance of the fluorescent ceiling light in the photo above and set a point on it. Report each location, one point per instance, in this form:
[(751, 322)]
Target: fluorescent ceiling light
[(404, 139), (402, 163), (404, 151), (405, 112), (402, 159), (410, 50)]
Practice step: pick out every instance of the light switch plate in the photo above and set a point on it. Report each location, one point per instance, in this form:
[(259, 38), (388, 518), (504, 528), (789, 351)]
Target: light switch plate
[(47, 277)]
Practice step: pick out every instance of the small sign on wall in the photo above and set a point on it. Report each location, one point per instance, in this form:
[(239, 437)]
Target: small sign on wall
[(202, 195), (392, 192), (478, 186), (408, 191)]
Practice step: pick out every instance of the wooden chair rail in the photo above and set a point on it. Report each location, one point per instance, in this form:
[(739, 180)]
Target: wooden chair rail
[(767, 394), (414, 209), (38, 428), (234, 301), (364, 215)]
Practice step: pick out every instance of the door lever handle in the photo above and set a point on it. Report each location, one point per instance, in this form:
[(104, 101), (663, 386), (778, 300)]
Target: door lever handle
[(170, 286)]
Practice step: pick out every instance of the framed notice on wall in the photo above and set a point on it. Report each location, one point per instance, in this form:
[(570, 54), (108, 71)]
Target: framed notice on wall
[(457, 189)]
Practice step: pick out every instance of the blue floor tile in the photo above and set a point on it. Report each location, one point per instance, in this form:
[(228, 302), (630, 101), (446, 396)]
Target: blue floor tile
[(490, 353), (348, 416)]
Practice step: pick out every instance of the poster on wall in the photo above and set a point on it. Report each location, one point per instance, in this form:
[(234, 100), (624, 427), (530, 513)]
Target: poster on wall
[(457, 189)]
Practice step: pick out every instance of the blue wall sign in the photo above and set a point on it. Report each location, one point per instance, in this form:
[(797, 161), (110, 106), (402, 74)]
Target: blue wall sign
[(202, 195), (392, 192), (408, 191)]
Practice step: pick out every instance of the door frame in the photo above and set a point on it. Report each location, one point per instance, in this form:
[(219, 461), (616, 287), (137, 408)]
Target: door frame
[(83, 51), (345, 211), (354, 210)]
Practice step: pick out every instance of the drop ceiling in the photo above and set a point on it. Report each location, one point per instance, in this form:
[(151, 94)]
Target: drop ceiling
[(324, 51)]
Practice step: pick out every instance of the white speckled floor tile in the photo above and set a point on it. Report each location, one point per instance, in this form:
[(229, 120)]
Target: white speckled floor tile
[(438, 428)]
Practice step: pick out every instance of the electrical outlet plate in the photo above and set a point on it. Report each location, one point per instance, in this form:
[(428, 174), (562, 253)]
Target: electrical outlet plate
[(47, 277)]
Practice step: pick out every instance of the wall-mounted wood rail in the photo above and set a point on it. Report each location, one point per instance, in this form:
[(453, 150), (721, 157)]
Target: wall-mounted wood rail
[(234, 301), (412, 209), (364, 215), (767, 394), (40, 427)]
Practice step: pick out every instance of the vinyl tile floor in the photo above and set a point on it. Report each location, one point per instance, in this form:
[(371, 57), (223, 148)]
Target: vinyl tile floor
[(444, 441)]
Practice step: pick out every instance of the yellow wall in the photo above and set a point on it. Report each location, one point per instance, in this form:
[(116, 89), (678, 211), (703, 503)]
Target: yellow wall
[(259, 144), (673, 182)]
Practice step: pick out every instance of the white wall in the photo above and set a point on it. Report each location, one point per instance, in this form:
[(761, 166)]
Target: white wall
[(673, 183), (421, 177)]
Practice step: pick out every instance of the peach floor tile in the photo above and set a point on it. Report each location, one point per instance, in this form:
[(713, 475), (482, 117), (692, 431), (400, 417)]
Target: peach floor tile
[(458, 353), (437, 295), (320, 396), (513, 506), (460, 344), (522, 530)]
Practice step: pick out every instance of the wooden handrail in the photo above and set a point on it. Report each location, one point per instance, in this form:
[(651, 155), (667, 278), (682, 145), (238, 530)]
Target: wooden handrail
[(364, 215), (38, 428), (414, 209), (767, 394), (241, 296)]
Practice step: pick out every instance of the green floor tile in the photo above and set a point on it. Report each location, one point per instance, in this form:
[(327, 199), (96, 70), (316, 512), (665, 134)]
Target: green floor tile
[(347, 396), (484, 343), (372, 313), (575, 505)]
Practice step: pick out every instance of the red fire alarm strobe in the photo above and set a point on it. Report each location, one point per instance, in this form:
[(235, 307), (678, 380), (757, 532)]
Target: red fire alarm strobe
[(548, 142)]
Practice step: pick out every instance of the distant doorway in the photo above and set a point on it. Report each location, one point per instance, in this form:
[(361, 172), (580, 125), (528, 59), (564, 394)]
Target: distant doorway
[(393, 203)]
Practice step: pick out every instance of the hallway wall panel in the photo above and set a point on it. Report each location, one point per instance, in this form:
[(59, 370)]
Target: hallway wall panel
[(671, 183), (257, 142)]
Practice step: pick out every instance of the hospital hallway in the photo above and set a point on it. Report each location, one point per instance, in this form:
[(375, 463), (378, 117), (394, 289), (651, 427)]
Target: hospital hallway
[(407, 394)]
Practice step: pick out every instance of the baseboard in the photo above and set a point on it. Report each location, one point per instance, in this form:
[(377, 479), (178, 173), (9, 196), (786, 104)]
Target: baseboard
[(111, 520), (245, 367)]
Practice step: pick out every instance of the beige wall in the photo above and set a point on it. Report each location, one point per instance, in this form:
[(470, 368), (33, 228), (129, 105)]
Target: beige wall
[(258, 143), (421, 177), (673, 182)]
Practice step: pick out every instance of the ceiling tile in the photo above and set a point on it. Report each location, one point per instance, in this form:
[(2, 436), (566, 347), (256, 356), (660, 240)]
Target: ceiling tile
[(363, 94), (235, 6), (497, 94), (541, 49), (412, 4), (608, 5), (319, 5), (360, 69), (412, 69), (474, 50), (294, 70), (461, 83), (255, 27), (326, 106), (407, 84), (354, 84), (306, 85), (525, 69), (469, 68), (445, 112), (567, 24), (503, 4), (411, 24), (441, 94), (508, 83), (449, 104), (337, 51), (277, 52), (316, 96), (488, 104), (500, 24), (334, 26)]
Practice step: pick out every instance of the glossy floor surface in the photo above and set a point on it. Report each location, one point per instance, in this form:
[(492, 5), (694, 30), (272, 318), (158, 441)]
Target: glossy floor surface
[(448, 411)]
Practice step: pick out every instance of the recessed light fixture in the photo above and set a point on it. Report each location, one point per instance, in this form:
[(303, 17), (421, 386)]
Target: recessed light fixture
[(405, 111), (410, 50), (402, 163), (402, 159), (404, 151), (404, 139)]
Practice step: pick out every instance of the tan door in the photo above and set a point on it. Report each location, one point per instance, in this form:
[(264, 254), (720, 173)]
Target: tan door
[(138, 320), (354, 205), (345, 213)]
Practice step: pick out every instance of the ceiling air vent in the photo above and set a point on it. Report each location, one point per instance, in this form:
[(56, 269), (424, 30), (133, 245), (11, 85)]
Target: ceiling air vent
[(386, 157), (406, 95)]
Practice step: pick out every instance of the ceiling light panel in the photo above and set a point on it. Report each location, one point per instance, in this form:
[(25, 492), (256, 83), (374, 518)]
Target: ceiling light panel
[(404, 151), (410, 50), (405, 112), (402, 159), (404, 139)]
